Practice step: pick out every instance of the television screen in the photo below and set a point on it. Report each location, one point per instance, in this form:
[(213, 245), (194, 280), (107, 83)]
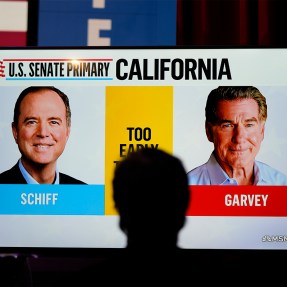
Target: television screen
[(124, 99)]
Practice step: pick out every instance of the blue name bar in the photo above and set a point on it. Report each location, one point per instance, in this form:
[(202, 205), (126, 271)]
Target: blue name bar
[(48, 199)]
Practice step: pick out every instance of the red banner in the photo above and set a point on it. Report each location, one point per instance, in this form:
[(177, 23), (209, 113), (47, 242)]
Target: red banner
[(13, 23), (215, 200), (9, 39)]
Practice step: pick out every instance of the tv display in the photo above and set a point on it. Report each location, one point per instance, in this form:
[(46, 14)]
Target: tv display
[(123, 99)]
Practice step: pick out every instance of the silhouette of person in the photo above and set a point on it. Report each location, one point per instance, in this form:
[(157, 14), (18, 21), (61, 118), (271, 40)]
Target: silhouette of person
[(151, 195)]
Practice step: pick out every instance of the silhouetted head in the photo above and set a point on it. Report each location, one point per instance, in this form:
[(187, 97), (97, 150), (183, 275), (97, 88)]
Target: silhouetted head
[(151, 194)]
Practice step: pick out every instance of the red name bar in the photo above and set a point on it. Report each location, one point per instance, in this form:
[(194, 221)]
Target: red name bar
[(216, 200)]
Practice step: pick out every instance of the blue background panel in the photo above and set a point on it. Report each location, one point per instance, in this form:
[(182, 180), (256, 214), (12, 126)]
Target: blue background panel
[(134, 22), (49, 199)]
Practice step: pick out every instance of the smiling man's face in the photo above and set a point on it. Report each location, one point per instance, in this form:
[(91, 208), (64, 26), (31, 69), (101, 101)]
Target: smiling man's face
[(238, 133), (42, 131)]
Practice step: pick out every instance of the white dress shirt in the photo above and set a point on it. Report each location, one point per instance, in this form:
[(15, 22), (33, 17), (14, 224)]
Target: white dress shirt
[(211, 173)]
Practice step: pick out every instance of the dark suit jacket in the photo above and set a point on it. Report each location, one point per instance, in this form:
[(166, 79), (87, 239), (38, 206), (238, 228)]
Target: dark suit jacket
[(14, 175)]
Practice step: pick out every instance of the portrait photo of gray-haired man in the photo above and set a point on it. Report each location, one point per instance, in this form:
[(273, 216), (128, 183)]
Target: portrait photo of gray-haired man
[(235, 118)]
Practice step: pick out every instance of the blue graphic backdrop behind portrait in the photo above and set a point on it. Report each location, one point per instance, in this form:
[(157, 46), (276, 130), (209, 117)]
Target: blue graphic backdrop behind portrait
[(107, 22)]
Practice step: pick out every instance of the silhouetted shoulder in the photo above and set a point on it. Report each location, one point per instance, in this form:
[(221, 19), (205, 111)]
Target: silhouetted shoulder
[(143, 268)]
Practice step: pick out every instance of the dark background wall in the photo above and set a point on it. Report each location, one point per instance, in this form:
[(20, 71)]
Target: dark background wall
[(238, 22)]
